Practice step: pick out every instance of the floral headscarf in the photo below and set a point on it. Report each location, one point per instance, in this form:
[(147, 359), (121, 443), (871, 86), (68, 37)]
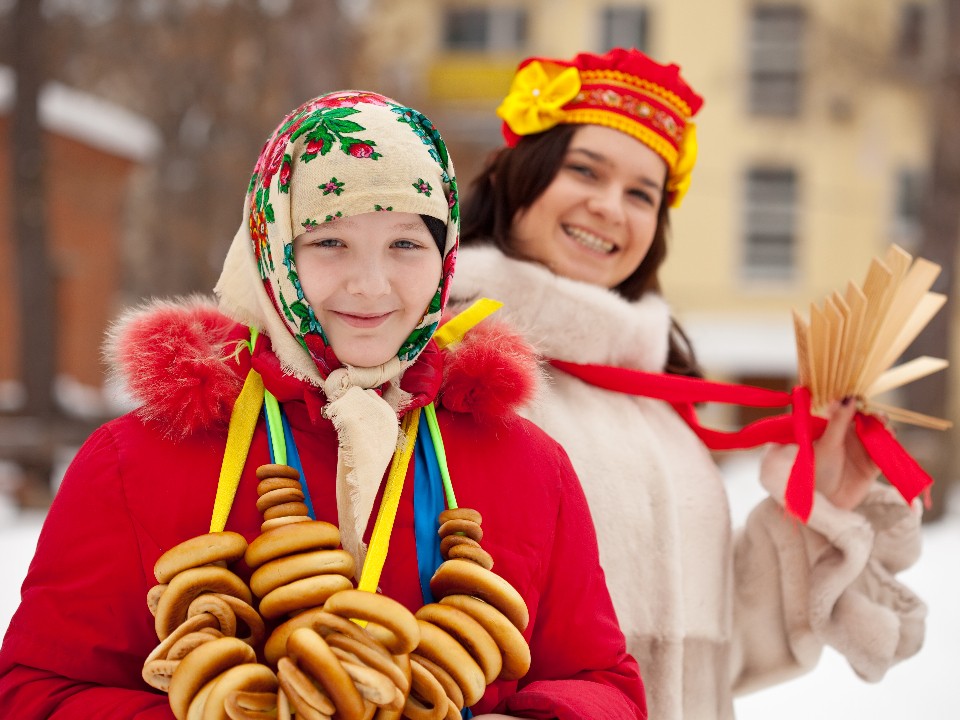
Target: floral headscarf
[(338, 155)]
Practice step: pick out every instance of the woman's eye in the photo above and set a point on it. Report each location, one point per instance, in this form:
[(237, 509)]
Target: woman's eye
[(642, 195), (582, 170)]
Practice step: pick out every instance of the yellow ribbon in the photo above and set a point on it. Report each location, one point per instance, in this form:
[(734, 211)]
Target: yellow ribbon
[(383, 527), (452, 332), (243, 421), (679, 181)]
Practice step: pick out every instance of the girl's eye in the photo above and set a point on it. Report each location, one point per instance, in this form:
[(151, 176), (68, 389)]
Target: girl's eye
[(406, 244), (326, 242)]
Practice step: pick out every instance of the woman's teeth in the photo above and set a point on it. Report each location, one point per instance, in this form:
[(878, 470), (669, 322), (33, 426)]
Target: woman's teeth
[(589, 239)]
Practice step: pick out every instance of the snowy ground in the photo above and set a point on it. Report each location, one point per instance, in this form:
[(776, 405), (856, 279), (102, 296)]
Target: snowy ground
[(926, 686)]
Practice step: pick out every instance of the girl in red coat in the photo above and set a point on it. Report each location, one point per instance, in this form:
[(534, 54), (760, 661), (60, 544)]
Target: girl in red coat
[(318, 375)]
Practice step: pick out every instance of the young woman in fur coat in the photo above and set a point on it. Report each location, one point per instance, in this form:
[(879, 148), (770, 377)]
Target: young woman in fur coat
[(327, 306), (567, 227)]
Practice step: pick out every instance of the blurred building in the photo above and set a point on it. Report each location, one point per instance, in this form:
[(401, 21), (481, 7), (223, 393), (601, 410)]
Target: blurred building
[(814, 137), (91, 147)]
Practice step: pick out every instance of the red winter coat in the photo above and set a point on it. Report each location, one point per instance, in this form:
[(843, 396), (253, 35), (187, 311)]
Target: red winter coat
[(147, 481)]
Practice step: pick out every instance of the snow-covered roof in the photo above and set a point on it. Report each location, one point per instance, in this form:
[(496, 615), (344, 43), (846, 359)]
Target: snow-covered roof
[(88, 119)]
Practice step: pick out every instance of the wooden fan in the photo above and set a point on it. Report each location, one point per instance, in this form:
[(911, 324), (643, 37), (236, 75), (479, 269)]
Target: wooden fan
[(848, 347)]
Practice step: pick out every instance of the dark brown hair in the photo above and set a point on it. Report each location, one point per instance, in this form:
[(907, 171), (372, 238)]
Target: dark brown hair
[(513, 179)]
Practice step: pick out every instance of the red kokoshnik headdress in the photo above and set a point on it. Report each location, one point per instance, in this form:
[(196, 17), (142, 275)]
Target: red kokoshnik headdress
[(624, 90)]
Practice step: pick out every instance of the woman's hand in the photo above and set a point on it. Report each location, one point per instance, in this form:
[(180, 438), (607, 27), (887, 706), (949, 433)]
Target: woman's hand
[(845, 471)]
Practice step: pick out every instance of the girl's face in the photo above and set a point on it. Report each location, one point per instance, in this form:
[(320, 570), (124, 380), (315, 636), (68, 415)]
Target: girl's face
[(369, 279), (596, 221)]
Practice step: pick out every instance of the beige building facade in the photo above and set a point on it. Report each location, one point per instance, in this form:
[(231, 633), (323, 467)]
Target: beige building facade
[(814, 137)]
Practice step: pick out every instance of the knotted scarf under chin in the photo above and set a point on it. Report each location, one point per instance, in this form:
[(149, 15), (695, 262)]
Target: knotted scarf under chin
[(368, 434)]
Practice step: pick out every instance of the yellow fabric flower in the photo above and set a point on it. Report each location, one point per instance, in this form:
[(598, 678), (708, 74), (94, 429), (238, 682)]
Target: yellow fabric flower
[(679, 181), (537, 96)]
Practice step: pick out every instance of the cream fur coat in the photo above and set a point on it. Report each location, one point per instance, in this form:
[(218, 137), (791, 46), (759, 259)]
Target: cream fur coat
[(708, 612)]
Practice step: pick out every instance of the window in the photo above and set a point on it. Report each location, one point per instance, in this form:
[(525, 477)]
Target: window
[(776, 60), (911, 32), (624, 27), (770, 229), (481, 29), (908, 206)]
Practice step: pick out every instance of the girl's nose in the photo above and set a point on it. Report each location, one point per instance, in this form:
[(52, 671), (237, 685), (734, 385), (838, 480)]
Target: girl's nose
[(369, 277)]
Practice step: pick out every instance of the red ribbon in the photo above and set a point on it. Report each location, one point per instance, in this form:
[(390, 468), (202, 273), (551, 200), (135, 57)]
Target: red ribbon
[(798, 426)]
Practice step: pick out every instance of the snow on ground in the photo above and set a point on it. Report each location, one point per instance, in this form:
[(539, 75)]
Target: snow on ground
[(925, 686)]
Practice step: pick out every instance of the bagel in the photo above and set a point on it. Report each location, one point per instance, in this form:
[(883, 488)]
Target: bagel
[(248, 705), (153, 597), (274, 523), (278, 497), (252, 677), (372, 607), (461, 513), (201, 666), (189, 585), (188, 643), (462, 577), (188, 626), (284, 509), (300, 594), (199, 702), (469, 633), (246, 614), (277, 483), (474, 554), (157, 673), (513, 646), (450, 687), (283, 706), (447, 543), (462, 527), (197, 551), (324, 624), (271, 470), (440, 646), (371, 658), (283, 570), (287, 540), (218, 608), (426, 700), (314, 656), (300, 689), (372, 684)]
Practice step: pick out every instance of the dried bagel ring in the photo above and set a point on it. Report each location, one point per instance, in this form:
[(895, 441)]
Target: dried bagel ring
[(474, 554), (203, 665), (188, 626), (321, 622), (314, 657), (461, 513), (153, 597), (284, 509), (248, 705), (287, 540), (372, 607), (272, 524), (157, 673), (278, 497), (270, 470), (469, 633), (276, 483), (513, 646), (451, 541), (450, 687), (188, 643), (197, 551), (462, 577), (300, 689), (464, 527), (199, 702), (441, 647), (427, 700), (373, 685), (283, 570), (252, 677), (187, 586), (218, 608), (301, 594), (371, 658)]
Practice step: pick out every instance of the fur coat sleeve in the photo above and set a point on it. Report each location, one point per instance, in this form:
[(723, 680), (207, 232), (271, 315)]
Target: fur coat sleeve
[(836, 584)]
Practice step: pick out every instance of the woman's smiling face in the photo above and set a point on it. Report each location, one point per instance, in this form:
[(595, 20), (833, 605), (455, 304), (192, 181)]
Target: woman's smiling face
[(596, 221), (369, 279)]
